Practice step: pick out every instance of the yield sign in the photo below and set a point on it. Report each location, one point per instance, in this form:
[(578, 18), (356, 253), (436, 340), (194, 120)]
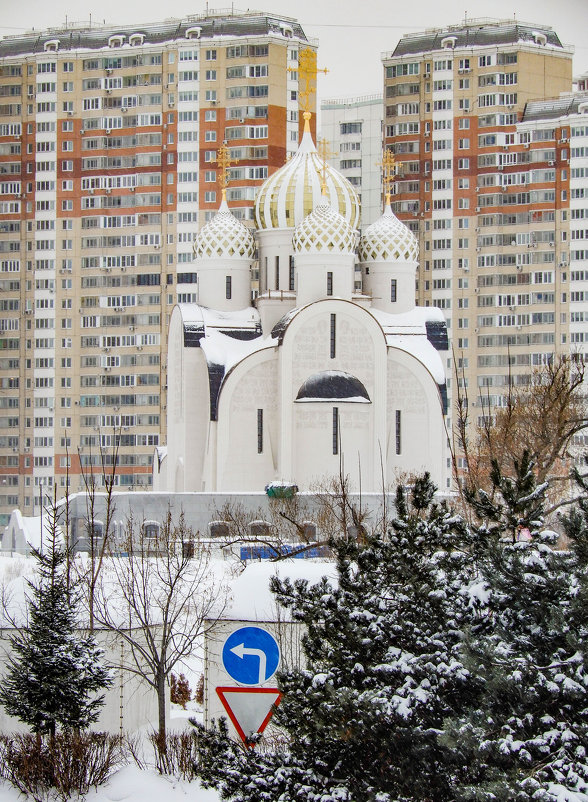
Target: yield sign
[(250, 709)]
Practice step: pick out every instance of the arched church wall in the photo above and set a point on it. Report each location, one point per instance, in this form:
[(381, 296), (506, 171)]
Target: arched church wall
[(247, 449), (413, 392), (307, 427), (187, 408), (197, 416)]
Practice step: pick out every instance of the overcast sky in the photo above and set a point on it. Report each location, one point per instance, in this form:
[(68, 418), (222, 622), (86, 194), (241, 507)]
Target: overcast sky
[(352, 34)]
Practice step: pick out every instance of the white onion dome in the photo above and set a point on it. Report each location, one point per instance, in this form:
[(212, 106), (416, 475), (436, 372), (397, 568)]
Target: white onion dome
[(293, 191), (224, 237), (388, 240), (324, 231)]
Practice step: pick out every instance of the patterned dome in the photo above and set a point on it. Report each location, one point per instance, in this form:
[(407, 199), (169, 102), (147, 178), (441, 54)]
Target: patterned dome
[(388, 240), (324, 231), (293, 191), (225, 237)]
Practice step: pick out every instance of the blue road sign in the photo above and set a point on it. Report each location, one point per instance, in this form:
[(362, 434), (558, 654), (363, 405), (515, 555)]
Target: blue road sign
[(251, 655)]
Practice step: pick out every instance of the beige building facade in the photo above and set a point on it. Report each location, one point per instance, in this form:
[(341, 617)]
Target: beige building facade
[(486, 185), (108, 148)]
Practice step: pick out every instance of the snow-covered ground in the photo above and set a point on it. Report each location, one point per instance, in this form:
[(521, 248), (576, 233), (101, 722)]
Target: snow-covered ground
[(132, 784)]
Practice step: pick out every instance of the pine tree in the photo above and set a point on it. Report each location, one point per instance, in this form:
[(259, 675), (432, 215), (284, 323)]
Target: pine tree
[(527, 735), (382, 673), (54, 672)]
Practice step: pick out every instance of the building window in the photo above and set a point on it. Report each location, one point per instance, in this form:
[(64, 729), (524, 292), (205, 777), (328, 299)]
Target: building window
[(277, 272), (291, 276), (335, 430), (260, 431), (228, 287), (333, 332), (398, 432), (393, 288), (330, 285)]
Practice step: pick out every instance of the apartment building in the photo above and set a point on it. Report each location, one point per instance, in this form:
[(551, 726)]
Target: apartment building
[(352, 128), (485, 183), (108, 148)]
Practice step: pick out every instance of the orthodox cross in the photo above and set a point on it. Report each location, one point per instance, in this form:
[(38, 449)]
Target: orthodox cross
[(388, 165), (324, 153), (224, 161), (307, 72)]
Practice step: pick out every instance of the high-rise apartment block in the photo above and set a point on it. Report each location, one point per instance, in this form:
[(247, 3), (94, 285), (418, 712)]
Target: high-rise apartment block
[(108, 149), (353, 130), (492, 180)]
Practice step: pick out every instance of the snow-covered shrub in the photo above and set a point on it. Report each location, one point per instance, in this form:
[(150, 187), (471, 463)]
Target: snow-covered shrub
[(59, 767)]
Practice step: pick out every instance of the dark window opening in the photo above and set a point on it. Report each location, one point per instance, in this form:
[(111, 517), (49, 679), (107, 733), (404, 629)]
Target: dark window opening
[(393, 296), (291, 276), (228, 287), (335, 430), (260, 431), (329, 283), (277, 272), (398, 433), (333, 341)]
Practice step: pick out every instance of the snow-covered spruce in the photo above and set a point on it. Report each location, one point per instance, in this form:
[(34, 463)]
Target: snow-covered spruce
[(55, 673), (383, 672)]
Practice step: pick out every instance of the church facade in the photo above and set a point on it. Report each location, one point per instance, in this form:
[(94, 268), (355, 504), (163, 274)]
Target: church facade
[(318, 378)]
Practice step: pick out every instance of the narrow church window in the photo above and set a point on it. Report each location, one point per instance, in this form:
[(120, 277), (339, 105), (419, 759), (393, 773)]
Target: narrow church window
[(393, 290), (333, 343), (335, 430), (277, 272), (291, 276), (398, 440), (228, 287), (260, 431), (329, 283)]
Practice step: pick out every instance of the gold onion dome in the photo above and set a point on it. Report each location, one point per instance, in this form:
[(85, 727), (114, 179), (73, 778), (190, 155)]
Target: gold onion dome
[(293, 191), (224, 237), (387, 240), (324, 231)]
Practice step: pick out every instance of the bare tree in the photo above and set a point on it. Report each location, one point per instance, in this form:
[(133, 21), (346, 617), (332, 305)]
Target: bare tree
[(289, 527), (541, 418), (160, 598), (98, 535)]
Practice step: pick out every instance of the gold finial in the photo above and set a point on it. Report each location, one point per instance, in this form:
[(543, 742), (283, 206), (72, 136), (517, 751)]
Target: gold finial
[(324, 153), (389, 166), (224, 161), (307, 72)]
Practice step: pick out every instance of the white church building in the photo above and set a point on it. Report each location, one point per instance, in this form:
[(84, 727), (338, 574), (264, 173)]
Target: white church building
[(319, 376)]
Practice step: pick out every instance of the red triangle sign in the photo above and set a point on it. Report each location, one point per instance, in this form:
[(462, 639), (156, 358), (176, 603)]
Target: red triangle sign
[(250, 709)]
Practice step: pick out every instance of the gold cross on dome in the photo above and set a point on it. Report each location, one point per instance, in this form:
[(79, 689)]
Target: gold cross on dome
[(324, 154), (224, 161), (389, 166), (307, 72)]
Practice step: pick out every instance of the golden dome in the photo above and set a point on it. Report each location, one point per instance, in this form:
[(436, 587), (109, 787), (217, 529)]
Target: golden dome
[(293, 191)]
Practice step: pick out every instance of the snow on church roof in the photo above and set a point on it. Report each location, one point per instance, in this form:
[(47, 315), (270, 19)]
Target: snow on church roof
[(333, 385)]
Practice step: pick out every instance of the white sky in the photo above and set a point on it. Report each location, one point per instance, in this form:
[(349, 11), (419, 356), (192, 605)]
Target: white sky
[(352, 34)]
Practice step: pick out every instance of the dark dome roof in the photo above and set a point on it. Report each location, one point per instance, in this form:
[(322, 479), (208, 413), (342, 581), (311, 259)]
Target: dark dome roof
[(333, 385)]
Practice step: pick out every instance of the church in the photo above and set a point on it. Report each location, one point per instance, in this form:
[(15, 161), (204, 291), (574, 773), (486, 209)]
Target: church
[(333, 370)]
